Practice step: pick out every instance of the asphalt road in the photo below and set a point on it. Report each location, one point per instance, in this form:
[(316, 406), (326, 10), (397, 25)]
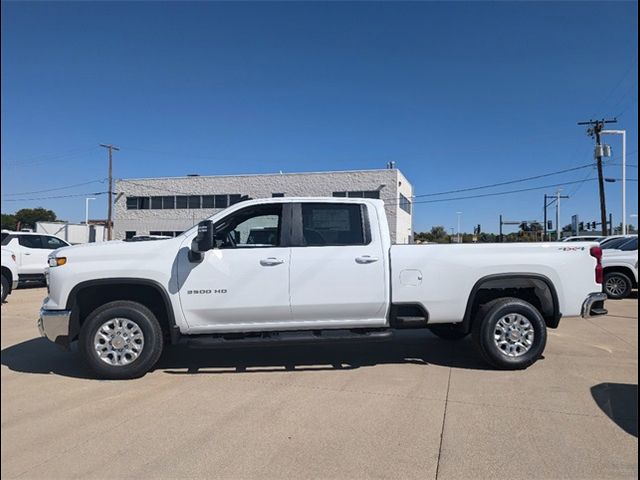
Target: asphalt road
[(416, 407)]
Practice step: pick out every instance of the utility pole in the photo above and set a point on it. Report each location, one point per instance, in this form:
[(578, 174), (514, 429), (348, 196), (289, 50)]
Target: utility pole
[(111, 148), (558, 227), (544, 234), (594, 131)]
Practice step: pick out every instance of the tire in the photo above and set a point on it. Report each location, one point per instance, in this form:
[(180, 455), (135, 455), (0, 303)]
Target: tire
[(6, 288), (506, 315), (129, 337), (617, 285), (448, 332)]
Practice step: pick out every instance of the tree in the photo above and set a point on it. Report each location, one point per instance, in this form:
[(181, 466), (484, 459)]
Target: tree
[(27, 217), (8, 221)]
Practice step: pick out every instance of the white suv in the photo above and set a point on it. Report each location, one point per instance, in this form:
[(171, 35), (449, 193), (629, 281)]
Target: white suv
[(621, 268), (31, 251)]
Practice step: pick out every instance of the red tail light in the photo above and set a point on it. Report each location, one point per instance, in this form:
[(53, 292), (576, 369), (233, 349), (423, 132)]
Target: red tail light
[(597, 253)]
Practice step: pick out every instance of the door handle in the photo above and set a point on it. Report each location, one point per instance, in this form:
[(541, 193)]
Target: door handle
[(26, 253), (366, 259), (271, 261)]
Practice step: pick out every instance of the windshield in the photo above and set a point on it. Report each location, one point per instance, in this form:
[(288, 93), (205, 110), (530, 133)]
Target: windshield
[(614, 242)]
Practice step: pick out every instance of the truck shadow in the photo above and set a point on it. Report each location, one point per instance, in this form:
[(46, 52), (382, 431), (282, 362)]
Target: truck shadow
[(39, 356), (619, 401)]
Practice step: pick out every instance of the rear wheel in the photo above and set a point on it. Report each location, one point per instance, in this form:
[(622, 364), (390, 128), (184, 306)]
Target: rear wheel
[(120, 340), (617, 285), (5, 287), (510, 333), (448, 331)]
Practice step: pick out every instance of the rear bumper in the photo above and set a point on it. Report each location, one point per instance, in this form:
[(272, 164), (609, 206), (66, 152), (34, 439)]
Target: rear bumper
[(593, 306), (54, 325)]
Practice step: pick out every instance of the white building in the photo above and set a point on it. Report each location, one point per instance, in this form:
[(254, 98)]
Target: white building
[(73, 232), (168, 206)]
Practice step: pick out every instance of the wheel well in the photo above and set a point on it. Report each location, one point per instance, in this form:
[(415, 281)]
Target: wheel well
[(7, 273), (538, 291), (625, 270), (88, 298)]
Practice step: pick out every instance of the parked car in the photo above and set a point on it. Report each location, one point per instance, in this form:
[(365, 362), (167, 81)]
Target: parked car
[(621, 268), (143, 238), (9, 273), (331, 274), (584, 238), (31, 251)]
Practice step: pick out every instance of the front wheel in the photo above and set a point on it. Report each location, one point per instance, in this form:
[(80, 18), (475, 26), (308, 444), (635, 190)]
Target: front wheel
[(617, 285), (510, 333), (121, 340)]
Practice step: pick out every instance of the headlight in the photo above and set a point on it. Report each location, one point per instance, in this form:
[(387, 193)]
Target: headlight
[(57, 261)]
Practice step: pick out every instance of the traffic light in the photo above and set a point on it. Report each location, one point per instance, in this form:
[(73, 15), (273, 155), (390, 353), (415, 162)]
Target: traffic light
[(580, 226), (479, 229), (593, 225), (549, 225), (524, 226)]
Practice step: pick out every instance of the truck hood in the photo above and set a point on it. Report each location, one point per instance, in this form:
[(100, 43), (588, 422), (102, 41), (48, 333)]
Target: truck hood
[(118, 248)]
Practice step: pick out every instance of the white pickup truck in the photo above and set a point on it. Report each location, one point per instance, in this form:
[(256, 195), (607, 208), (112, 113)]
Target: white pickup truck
[(329, 273)]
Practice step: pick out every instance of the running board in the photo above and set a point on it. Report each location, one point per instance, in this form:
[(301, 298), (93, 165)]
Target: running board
[(284, 338)]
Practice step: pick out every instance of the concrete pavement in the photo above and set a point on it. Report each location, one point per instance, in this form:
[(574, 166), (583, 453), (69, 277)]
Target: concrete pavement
[(416, 407)]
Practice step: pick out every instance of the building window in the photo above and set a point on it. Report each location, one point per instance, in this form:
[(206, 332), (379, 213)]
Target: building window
[(208, 201), (358, 194), (144, 203), (168, 203), (156, 203), (194, 201), (132, 203), (277, 195), (405, 204), (129, 235), (221, 201), (234, 198), (182, 201)]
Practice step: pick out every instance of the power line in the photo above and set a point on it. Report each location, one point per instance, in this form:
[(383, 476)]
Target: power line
[(559, 172), (53, 189), (53, 197), (395, 202), (46, 158)]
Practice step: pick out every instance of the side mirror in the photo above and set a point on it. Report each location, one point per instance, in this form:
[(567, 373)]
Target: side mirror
[(203, 242)]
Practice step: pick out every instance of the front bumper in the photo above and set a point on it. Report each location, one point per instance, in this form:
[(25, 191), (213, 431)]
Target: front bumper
[(593, 306), (54, 325)]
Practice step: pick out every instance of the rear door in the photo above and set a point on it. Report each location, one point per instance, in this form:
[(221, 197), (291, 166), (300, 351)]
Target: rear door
[(33, 256), (338, 268)]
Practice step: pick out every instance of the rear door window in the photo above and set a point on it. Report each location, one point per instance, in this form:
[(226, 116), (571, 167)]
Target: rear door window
[(330, 224), (30, 241)]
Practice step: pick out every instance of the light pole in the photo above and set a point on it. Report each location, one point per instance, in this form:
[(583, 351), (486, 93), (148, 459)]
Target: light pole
[(624, 173), (459, 215), (86, 215)]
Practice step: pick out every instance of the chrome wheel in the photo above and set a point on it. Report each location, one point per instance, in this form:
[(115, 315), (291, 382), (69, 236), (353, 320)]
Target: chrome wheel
[(616, 286), (513, 335), (119, 341)]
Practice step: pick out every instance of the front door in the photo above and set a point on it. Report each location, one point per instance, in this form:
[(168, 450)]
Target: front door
[(243, 284), (338, 273)]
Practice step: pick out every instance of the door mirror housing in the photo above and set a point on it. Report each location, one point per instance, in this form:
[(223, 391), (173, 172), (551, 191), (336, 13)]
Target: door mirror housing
[(203, 242)]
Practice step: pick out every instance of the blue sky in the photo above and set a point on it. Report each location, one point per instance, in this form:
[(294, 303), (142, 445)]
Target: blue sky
[(457, 94)]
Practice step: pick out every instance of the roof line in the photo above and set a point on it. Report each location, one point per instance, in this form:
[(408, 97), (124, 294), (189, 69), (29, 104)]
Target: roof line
[(281, 174)]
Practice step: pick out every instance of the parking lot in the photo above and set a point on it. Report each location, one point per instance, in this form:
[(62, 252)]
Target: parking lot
[(416, 407)]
